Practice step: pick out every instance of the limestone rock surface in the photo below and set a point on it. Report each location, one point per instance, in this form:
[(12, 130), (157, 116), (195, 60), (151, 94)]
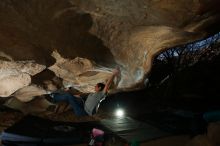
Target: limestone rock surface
[(80, 73), (16, 74), (28, 93), (36, 105), (111, 33)]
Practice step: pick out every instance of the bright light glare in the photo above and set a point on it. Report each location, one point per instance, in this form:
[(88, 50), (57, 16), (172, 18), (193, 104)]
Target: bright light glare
[(119, 113)]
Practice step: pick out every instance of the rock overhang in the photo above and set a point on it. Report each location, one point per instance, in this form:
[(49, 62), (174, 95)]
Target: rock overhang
[(110, 33)]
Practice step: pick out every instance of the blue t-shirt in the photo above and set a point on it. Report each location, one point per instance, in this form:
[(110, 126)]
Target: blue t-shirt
[(92, 102)]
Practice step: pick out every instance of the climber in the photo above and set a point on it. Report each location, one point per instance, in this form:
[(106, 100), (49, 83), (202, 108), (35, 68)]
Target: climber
[(91, 104)]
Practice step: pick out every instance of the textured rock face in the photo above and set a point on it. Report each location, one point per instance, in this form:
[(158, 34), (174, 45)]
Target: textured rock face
[(39, 104), (127, 33), (15, 75), (80, 73), (28, 93), (141, 29)]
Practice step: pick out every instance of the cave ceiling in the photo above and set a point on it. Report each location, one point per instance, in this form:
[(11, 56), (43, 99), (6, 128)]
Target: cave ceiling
[(81, 41)]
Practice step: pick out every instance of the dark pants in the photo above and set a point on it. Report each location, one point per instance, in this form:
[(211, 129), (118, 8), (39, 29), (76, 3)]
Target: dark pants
[(76, 104)]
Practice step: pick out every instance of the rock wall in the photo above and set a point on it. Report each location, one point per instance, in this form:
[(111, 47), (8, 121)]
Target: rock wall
[(125, 33)]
